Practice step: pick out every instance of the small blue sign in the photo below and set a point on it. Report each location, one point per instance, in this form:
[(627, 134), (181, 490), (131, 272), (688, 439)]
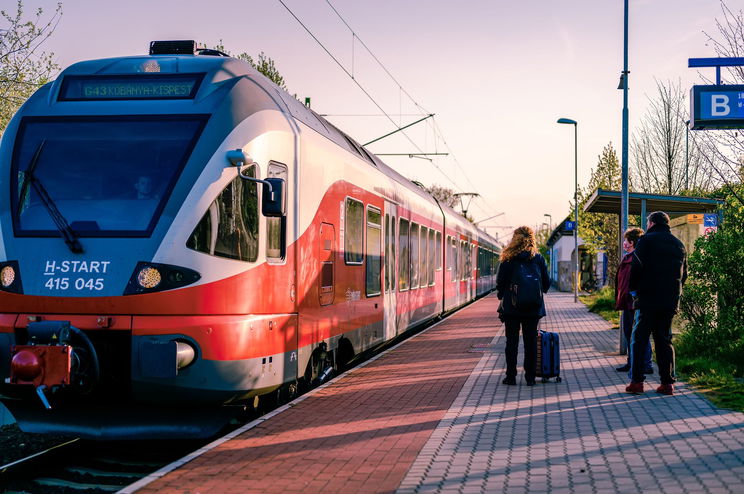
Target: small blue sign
[(717, 107), (710, 220), (570, 225)]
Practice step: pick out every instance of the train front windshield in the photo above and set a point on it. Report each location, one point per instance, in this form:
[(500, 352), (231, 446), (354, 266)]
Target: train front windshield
[(105, 176)]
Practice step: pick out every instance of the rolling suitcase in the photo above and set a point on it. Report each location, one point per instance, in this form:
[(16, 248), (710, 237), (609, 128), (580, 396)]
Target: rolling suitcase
[(548, 356)]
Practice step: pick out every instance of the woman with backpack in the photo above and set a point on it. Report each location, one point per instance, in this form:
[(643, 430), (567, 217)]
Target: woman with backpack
[(520, 283)]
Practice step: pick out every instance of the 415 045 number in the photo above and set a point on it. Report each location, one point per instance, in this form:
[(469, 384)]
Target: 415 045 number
[(76, 284)]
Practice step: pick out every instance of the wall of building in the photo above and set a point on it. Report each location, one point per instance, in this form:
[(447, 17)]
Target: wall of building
[(687, 232), (563, 263)]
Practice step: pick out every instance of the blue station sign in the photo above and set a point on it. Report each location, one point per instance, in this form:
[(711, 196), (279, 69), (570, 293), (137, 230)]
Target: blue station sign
[(717, 107)]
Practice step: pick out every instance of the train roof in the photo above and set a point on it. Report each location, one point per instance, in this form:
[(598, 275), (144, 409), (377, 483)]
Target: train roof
[(220, 69)]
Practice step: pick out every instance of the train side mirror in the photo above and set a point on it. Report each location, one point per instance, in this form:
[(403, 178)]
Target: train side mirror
[(274, 202)]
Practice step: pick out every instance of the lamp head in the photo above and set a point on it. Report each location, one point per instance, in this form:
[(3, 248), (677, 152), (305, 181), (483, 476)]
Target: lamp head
[(567, 121)]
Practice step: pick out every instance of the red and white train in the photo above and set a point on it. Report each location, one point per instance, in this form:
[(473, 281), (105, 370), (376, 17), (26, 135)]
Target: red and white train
[(179, 235)]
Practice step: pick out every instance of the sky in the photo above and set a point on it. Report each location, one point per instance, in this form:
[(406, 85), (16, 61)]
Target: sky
[(497, 74)]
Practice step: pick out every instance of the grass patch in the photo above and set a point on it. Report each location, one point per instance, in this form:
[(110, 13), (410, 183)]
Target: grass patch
[(602, 302), (716, 380)]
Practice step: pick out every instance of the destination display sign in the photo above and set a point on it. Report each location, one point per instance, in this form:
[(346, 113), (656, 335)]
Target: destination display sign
[(717, 107), (130, 87)]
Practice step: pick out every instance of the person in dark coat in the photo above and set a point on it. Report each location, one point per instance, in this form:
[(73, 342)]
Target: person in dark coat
[(657, 272), (624, 301), (522, 249)]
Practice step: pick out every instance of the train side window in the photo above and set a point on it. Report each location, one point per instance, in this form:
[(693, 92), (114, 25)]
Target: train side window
[(393, 252), (229, 228), (387, 252), (439, 251), (449, 254), (403, 252), (453, 248), (424, 257), (432, 257), (374, 251), (276, 228), (354, 231), (414, 255)]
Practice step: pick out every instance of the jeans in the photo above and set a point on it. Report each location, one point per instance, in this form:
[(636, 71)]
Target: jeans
[(659, 324), (629, 319), (529, 337)]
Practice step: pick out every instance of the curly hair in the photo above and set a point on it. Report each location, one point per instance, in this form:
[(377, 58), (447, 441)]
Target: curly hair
[(522, 240), (633, 234)]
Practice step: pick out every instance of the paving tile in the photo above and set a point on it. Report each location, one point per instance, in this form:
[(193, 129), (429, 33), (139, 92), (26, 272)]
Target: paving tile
[(431, 416), (612, 441)]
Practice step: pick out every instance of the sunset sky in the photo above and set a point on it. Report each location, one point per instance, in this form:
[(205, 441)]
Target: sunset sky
[(497, 74)]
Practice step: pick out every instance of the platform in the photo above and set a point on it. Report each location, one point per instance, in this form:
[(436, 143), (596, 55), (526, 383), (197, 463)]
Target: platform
[(431, 415)]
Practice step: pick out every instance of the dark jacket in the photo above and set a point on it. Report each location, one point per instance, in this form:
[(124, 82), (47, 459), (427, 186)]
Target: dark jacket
[(658, 270), (623, 300), (504, 282)]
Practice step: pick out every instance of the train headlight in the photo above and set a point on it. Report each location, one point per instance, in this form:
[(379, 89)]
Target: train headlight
[(10, 277), (7, 276), (149, 277)]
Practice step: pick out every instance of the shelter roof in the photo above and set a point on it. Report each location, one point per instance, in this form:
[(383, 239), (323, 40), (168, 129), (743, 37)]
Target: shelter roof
[(608, 201)]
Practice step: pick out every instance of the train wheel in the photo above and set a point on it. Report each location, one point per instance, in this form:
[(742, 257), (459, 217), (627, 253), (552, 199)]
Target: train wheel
[(344, 354), (321, 366)]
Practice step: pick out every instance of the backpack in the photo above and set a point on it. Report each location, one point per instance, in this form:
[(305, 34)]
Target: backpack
[(526, 287)]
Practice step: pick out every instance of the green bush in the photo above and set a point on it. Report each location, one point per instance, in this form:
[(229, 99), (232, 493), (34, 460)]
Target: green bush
[(713, 298)]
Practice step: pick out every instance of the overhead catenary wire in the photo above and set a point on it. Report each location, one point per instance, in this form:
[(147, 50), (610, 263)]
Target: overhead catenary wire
[(437, 130), (346, 71), (435, 127)]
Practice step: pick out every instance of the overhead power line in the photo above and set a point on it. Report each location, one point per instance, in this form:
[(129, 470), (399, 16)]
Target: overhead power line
[(346, 71), (435, 127)]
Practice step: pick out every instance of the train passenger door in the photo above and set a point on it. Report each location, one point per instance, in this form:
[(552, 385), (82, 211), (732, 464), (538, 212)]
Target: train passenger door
[(327, 250), (391, 277)]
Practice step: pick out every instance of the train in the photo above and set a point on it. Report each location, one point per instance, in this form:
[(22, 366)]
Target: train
[(180, 236)]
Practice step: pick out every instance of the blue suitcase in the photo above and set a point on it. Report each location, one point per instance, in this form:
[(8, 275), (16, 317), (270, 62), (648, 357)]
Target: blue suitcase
[(548, 356)]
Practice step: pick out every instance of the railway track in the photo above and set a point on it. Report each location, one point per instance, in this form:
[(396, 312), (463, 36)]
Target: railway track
[(91, 467)]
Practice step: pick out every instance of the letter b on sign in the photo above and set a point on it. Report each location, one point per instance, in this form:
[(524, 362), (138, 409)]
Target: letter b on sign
[(719, 105)]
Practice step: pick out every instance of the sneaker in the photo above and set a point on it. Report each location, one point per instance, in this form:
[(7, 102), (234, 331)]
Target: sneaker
[(666, 389), (648, 370), (634, 388), (530, 382), (510, 381), (624, 368)]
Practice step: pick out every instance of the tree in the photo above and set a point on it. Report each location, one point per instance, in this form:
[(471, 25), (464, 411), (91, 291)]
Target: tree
[(23, 68), (713, 297), (665, 161), (724, 149), (265, 65), (445, 196), (601, 231)]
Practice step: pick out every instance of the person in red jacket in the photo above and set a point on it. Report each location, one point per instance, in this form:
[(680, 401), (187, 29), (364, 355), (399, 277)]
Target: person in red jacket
[(624, 301)]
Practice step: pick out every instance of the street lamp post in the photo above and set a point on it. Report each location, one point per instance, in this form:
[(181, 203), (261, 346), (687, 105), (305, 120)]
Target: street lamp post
[(550, 221), (576, 202)]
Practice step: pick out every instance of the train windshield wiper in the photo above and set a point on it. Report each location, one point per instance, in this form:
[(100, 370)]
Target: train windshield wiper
[(60, 222)]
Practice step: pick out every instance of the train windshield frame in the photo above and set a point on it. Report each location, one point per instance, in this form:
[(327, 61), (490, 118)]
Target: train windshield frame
[(109, 176)]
